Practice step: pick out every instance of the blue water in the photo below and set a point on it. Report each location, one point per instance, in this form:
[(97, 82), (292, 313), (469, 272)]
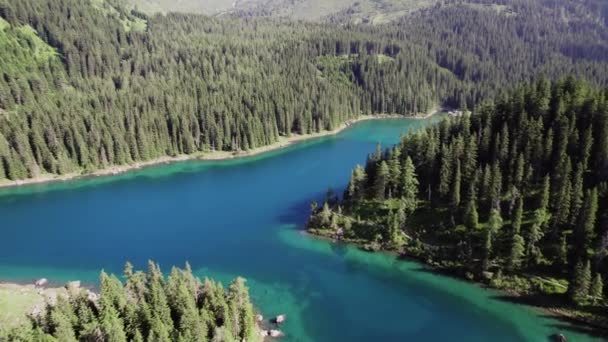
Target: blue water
[(243, 217)]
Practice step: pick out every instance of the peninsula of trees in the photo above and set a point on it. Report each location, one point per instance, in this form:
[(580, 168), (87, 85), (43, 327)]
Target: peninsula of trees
[(88, 84), (147, 307), (514, 195)]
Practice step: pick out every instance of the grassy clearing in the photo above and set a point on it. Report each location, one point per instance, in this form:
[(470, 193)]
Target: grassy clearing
[(499, 9), (28, 50), (15, 302), (209, 7), (369, 11), (129, 22), (4, 24), (41, 50)]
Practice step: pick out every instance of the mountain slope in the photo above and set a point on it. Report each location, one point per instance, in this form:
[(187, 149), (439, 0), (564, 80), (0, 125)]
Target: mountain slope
[(376, 11), (90, 84), (363, 11)]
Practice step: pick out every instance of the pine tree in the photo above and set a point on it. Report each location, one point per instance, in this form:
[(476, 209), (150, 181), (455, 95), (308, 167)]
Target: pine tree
[(517, 252), (382, 177), (577, 195), (445, 172), (545, 194), (578, 289), (495, 222), (587, 220), (409, 184), (456, 184), (487, 249), (533, 251), (562, 253), (517, 216), (355, 186), (471, 219), (496, 186), (596, 292)]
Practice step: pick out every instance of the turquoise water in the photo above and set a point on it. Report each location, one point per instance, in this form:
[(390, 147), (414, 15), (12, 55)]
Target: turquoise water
[(243, 217)]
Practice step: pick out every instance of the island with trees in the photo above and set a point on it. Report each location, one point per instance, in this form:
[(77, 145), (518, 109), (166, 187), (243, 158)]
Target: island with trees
[(513, 195)]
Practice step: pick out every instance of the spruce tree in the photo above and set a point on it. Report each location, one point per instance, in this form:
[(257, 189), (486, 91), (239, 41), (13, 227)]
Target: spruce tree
[(409, 184), (445, 172), (596, 291), (535, 233), (471, 219), (456, 184), (587, 220), (517, 216), (578, 288), (517, 252), (381, 181)]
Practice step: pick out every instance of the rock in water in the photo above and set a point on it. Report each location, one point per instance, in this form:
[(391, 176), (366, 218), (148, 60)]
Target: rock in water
[(280, 319), (41, 282), (276, 333), (558, 338), (73, 285)]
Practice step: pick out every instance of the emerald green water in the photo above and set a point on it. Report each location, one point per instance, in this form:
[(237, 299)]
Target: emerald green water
[(244, 217)]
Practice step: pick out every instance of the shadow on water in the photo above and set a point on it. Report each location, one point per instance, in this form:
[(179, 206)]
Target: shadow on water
[(298, 212), (548, 302), (542, 302)]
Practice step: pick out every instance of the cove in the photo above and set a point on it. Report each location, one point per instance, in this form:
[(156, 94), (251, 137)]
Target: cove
[(243, 217)]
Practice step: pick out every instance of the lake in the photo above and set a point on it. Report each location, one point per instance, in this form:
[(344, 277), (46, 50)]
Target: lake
[(244, 217)]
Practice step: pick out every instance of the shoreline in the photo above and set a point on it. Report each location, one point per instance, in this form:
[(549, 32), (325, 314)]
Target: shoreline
[(283, 142), (541, 306), (31, 300)]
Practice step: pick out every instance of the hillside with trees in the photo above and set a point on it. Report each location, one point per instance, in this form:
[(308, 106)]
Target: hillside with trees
[(87, 85), (514, 194), (147, 307)]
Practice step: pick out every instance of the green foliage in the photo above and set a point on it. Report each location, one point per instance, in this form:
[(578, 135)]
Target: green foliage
[(148, 307), (471, 220), (538, 252), (517, 252), (596, 291), (91, 84), (580, 284), (381, 181)]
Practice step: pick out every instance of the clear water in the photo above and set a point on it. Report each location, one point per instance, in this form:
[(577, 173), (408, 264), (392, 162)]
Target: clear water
[(243, 217)]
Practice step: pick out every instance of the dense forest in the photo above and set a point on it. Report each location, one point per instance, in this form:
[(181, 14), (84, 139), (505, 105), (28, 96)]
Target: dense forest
[(514, 194), (147, 307), (89, 84)]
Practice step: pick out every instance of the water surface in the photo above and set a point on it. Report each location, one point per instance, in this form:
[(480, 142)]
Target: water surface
[(243, 217)]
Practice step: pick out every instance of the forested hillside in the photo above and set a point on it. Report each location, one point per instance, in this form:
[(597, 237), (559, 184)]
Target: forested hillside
[(89, 84), (515, 193), (147, 307)]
